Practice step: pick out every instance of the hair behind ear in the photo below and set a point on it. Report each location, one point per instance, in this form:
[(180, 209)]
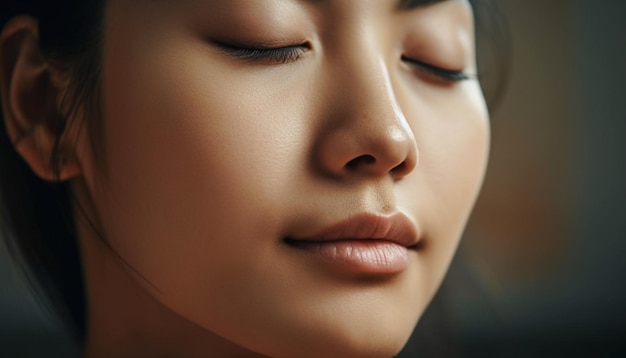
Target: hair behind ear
[(36, 217), (35, 214), (31, 89)]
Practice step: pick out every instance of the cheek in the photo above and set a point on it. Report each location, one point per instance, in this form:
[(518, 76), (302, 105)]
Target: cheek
[(456, 147), (184, 146), (458, 168), (453, 140)]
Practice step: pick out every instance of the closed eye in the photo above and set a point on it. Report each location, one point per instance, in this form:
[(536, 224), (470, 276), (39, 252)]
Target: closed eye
[(279, 55), (441, 73), (287, 54)]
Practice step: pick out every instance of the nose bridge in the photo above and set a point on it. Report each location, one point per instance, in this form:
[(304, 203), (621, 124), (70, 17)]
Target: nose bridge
[(366, 84), (371, 134)]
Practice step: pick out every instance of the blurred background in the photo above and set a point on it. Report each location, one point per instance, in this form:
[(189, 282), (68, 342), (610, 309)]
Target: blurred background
[(540, 271)]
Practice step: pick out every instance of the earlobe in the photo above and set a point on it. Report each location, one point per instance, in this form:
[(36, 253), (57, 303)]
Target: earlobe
[(31, 109), (37, 148)]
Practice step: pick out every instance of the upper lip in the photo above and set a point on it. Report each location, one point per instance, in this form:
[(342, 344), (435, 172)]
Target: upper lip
[(397, 228)]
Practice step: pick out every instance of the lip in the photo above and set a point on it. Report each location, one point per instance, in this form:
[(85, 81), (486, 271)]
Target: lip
[(365, 243)]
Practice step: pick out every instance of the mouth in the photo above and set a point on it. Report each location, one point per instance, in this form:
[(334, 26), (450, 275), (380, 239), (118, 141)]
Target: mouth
[(366, 243)]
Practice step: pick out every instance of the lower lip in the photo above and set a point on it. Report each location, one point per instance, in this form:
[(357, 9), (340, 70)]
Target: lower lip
[(361, 256)]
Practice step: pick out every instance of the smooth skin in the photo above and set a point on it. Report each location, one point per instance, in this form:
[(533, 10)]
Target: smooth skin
[(210, 161)]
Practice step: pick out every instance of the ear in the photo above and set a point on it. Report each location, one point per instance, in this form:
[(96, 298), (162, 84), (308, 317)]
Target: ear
[(30, 90)]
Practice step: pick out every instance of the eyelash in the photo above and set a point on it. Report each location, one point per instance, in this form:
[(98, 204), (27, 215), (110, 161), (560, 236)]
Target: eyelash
[(280, 55), (287, 54), (445, 74)]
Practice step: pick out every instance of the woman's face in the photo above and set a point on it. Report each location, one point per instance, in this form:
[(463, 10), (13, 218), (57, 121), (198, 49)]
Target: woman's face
[(306, 196)]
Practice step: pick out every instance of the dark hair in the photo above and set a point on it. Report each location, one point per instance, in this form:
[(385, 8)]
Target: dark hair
[(493, 49), (37, 218)]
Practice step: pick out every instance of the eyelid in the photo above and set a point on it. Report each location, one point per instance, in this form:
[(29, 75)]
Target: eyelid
[(278, 54), (283, 54), (442, 73)]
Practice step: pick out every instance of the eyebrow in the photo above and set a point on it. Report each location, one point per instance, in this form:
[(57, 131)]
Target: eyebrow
[(411, 4)]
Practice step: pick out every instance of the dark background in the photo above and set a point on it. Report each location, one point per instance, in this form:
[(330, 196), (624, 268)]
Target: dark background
[(540, 270)]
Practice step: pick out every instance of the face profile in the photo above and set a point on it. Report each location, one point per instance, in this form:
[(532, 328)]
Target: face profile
[(273, 178)]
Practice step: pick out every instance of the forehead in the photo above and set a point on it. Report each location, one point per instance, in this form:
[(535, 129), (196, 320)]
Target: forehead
[(157, 18)]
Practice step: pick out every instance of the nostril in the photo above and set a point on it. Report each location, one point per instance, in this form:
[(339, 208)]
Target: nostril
[(363, 160), (399, 168)]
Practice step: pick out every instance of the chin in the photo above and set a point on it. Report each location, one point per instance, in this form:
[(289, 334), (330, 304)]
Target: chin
[(374, 345), (345, 347), (381, 337)]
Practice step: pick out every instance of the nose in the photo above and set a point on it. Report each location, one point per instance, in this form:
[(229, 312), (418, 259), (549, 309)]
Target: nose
[(367, 134)]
